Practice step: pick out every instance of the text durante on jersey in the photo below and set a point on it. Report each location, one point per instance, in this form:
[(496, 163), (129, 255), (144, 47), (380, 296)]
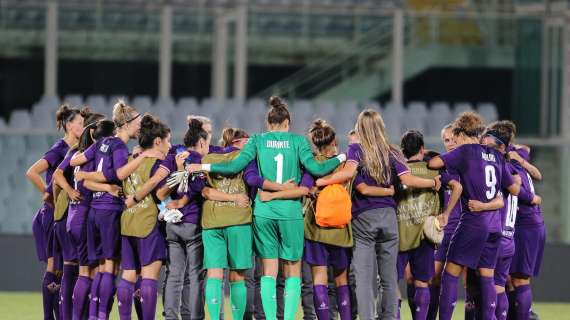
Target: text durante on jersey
[(273, 144)]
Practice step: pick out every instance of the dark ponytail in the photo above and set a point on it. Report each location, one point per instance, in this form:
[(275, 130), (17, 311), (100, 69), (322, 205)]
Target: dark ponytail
[(90, 122), (195, 133), (65, 114), (322, 134), (278, 112), (104, 128), (150, 129)]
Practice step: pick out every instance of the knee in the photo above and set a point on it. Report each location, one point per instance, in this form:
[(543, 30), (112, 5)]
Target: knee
[(520, 281)]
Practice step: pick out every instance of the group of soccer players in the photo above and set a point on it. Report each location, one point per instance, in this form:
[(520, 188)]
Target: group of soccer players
[(256, 203)]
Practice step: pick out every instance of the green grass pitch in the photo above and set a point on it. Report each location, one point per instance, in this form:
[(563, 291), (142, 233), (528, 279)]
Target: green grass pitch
[(28, 305)]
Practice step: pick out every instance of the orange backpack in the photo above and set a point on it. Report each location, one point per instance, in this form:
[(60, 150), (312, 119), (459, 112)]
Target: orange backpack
[(333, 208)]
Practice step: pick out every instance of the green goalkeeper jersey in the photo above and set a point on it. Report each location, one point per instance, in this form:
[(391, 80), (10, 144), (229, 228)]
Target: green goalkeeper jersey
[(280, 156)]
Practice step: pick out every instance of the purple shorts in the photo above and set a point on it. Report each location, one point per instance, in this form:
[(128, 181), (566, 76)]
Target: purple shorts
[(63, 241), (529, 248), (506, 252), (322, 254), (42, 228), (490, 251), (140, 252), (77, 229), (469, 245), (103, 234), (421, 261), (441, 251)]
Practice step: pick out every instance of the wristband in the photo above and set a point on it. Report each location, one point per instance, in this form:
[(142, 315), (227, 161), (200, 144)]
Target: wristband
[(341, 157), (206, 167)]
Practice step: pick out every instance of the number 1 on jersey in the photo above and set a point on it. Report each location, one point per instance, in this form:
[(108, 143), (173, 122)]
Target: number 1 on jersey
[(279, 159)]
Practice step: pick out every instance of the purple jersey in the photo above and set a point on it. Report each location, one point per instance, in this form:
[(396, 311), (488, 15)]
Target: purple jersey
[(509, 210), (68, 172), (54, 156), (528, 214), (482, 172), (362, 203), (455, 214), (193, 209), (109, 154), (216, 149)]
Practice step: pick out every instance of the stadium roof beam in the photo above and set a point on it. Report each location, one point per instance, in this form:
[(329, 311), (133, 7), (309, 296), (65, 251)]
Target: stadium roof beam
[(50, 53), (222, 20), (165, 64)]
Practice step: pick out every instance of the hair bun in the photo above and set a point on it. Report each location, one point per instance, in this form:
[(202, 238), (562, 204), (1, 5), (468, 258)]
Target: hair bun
[(276, 102), (85, 112), (148, 121), (194, 124), (119, 107)]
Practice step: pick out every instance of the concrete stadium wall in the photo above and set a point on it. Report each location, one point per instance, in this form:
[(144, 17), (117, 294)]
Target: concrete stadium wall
[(20, 270)]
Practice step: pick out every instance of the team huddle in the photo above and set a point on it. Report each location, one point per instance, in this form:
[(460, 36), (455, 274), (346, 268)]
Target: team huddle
[(276, 214)]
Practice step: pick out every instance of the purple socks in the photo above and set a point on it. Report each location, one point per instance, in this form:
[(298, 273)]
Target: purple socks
[(321, 301), (343, 303), (448, 296), (411, 291), (50, 294), (106, 293), (421, 302), (488, 298), (523, 302), (137, 298), (94, 297), (434, 302), (80, 297), (125, 290), (149, 293), (68, 279), (502, 306)]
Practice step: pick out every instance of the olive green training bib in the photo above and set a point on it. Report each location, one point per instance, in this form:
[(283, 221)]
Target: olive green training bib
[(414, 205), (62, 198), (140, 219), (341, 237), (219, 214)]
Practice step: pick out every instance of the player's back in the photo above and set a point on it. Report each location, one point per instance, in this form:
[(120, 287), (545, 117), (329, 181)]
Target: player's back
[(278, 156)]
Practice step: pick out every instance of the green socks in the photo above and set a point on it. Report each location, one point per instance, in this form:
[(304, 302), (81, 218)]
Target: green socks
[(238, 296), (292, 297), (269, 297), (214, 297)]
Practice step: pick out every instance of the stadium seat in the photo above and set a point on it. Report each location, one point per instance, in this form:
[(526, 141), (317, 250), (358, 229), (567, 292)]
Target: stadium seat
[(20, 120), (73, 100), (393, 116), (142, 103), (37, 142), (416, 116), (98, 104), (488, 111), (345, 118), (189, 103), (115, 98), (460, 107), (302, 113), (252, 119), (324, 110), (43, 119), (439, 115), (48, 103), (164, 108)]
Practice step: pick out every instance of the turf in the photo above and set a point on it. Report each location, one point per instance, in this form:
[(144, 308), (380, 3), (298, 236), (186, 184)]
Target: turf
[(27, 305)]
